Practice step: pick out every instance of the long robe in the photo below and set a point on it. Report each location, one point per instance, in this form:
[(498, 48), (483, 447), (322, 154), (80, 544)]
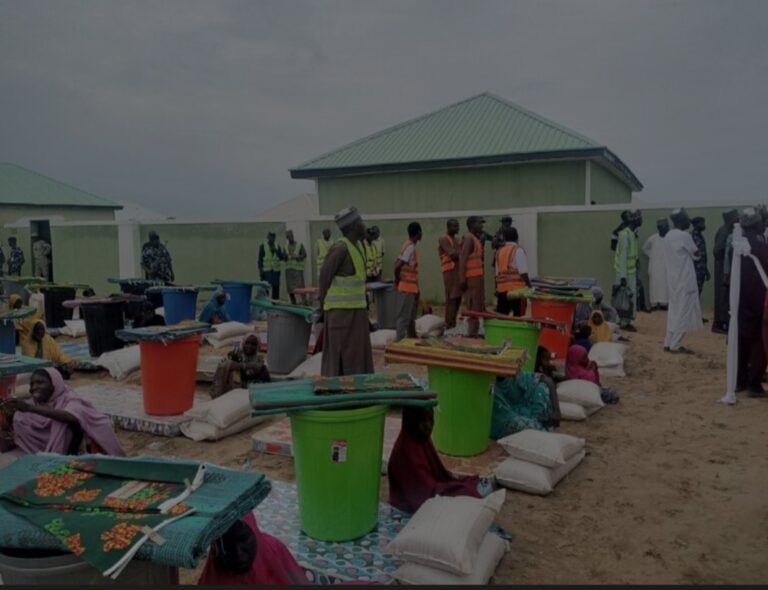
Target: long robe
[(722, 304), (474, 296), (752, 298), (346, 332), (622, 254), (684, 314), (653, 248), (416, 474), (451, 278)]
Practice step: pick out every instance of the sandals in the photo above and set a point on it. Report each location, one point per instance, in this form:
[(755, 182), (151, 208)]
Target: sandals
[(681, 350)]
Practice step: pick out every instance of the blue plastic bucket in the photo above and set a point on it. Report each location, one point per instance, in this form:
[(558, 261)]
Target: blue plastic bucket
[(239, 301), (179, 305), (7, 337)]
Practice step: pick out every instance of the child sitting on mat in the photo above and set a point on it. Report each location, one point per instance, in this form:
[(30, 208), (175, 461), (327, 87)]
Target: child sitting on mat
[(601, 331), (416, 472), (582, 334)]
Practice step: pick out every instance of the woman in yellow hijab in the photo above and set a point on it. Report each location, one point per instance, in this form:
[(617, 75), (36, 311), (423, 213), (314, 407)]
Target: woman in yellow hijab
[(601, 331)]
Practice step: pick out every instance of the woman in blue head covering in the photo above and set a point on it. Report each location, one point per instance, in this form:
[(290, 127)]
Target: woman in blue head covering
[(216, 311)]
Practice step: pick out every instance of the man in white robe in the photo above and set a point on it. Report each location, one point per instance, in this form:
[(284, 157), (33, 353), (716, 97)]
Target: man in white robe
[(684, 314), (654, 249)]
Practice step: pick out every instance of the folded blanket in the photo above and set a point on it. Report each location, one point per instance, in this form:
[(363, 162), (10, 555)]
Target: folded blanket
[(362, 383), (223, 497)]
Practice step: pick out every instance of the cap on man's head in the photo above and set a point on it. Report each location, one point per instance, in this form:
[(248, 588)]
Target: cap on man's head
[(597, 293), (678, 214), (346, 217), (750, 217), (731, 216), (153, 234)]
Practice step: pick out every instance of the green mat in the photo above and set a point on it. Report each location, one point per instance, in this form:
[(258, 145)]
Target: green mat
[(299, 396), (224, 497)]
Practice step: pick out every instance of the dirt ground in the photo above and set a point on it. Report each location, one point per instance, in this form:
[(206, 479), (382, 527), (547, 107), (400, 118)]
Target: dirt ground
[(672, 491)]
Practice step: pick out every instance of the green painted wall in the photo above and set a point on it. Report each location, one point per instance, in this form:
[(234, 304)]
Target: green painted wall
[(395, 233), (607, 188), (202, 252), (86, 254), (488, 187), (578, 244)]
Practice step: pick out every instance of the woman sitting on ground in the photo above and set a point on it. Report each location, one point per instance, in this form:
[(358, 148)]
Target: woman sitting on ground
[(526, 402), (246, 555), (601, 331), (57, 420), (240, 368), (578, 366), (416, 472), (216, 311), (40, 345), (148, 317)]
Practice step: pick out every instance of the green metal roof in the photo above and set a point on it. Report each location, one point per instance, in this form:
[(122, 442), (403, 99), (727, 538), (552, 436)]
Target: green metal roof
[(484, 129), (20, 186)]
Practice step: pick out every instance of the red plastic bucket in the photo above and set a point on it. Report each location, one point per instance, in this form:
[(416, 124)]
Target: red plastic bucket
[(168, 374), (560, 311)]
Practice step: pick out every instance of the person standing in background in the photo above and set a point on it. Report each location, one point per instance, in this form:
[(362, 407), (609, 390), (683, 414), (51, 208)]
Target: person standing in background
[(699, 226), (722, 297), (270, 259), (511, 274), (295, 255), (378, 248), (156, 260), (15, 258), (449, 248), (472, 271), (653, 248), (625, 264), (372, 260), (407, 282), (323, 245)]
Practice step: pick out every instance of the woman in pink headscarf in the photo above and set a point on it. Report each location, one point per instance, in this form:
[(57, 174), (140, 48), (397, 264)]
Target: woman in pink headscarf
[(578, 365), (57, 421)]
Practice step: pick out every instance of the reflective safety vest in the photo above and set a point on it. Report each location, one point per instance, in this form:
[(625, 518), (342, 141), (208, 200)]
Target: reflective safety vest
[(372, 258), (271, 260), (507, 276), (632, 252), (291, 249), (409, 273), (474, 266), (447, 263), (348, 292), (322, 251)]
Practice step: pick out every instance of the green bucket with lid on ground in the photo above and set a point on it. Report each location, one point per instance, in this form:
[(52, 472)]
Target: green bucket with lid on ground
[(520, 335), (337, 454), (463, 412)]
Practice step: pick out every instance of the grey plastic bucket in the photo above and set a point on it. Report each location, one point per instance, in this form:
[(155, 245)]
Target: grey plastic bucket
[(59, 570), (386, 308), (287, 341)]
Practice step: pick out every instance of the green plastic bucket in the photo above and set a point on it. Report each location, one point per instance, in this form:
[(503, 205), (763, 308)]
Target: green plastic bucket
[(463, 413), (519, 334), (338, 470)]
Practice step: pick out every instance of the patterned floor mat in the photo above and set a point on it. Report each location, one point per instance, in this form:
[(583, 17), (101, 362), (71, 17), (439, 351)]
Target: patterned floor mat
[(276, 440), (77, 350), (361, 560), (125, 405)]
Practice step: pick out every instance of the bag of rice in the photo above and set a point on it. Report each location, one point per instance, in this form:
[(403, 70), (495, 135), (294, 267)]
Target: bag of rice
[(609, 357), (120, 363), (579, 391), (531, 478), (430, 325), (572, 412), (548, 449)]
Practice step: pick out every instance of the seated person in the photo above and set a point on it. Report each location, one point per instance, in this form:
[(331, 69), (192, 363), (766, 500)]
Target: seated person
[(240, 368), (246, 555), (24, 326), (416, 472), (147, 316), (545, 366), (581, 335), (216, 311), (578, 366), (583, 309), (56, 421), (528, 401), (40, 345), (601, 331)]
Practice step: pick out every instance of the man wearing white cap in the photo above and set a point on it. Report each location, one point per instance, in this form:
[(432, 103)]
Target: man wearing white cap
[(346, 330), (684, 312)]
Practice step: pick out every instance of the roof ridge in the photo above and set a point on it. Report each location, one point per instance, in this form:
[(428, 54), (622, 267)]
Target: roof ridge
[(542, 119), (389, 129), (51, 179)]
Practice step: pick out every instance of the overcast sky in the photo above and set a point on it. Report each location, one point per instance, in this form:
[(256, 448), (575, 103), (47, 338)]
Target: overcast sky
[(198, 109)]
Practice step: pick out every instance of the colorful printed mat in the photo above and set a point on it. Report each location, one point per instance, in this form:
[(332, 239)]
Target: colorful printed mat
[(276, 440), (360, 383), (361, 560), (102, 509), (77, 351), (125, 405)]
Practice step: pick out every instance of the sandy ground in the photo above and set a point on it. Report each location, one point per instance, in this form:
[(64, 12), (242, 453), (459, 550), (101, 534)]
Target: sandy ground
[(672, 490)]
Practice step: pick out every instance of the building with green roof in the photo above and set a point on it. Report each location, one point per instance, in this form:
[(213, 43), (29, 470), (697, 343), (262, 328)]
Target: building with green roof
[(482, 153)]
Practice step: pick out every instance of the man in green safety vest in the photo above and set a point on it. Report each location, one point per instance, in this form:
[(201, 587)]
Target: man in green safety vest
[(625, 265), (372, 258), (270, 262), (323, 245), (346, 329), (295, 255)]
